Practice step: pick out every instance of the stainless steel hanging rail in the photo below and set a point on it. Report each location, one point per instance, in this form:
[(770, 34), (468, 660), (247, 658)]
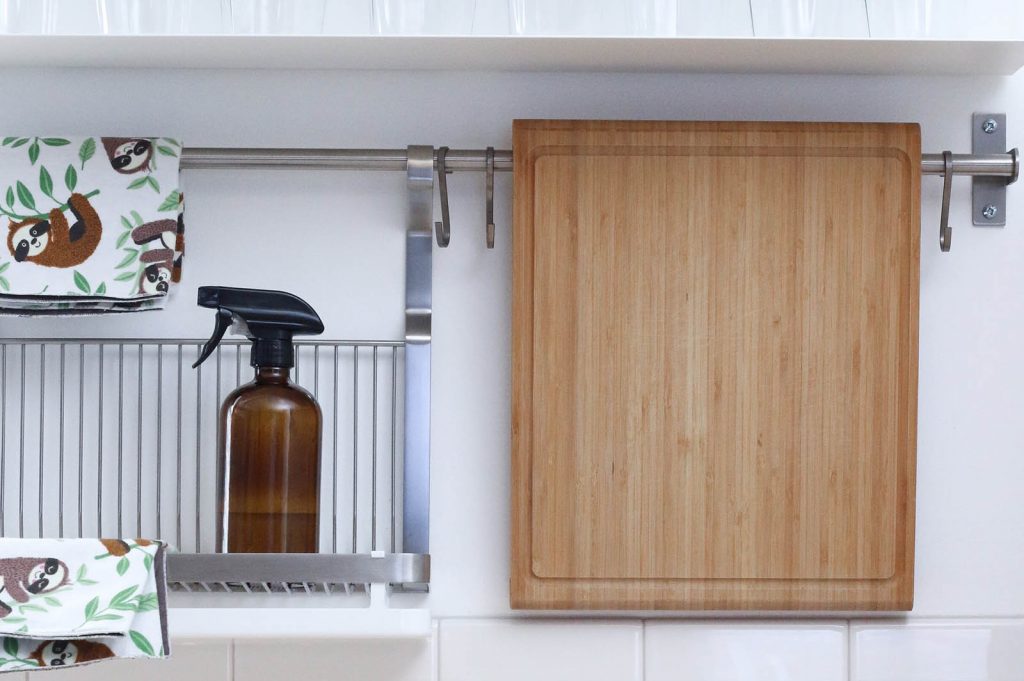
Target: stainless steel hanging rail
[(990, 170), (987, 165), (334, 159), (991, 165)]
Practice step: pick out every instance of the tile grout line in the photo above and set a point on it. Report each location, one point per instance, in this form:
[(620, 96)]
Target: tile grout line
[(436, 662), (849, 650), (643, 650)]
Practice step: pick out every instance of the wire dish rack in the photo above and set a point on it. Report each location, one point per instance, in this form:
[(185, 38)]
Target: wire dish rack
[(117, 437), (102, 437)]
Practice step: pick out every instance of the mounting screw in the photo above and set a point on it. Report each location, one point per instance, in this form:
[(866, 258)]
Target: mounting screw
[(990, 126), (989, 211)]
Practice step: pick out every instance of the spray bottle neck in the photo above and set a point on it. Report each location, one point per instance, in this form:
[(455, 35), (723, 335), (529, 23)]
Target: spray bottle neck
[(272, 375), (272, 352)]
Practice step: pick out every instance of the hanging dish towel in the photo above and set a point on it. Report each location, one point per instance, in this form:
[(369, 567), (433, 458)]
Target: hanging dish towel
[(65, 602), (93, 224)]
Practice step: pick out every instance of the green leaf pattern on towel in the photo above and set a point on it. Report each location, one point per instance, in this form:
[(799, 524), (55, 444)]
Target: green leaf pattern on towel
[(87, 151), (46, 182), (126, 600), (12, 647), (71, 178), (82, 283), (171, 202), (33, 143), (131, 250), (25, 196), (142, 643)]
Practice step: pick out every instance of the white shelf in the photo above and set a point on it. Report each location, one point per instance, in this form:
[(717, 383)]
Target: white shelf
[(299, 622), (503, 53)]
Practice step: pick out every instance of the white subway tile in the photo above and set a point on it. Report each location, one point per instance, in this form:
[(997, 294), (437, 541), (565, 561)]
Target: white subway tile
[(738, 651), (334, 660), (515, 650), (938, 650), (195, 660)]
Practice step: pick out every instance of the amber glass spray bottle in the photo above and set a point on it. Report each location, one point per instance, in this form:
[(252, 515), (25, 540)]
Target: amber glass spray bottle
[(269, 448)]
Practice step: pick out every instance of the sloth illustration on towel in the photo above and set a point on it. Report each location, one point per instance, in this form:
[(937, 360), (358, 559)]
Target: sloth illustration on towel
[(54, 242), (163, 259), (67, 653), (22, 578)]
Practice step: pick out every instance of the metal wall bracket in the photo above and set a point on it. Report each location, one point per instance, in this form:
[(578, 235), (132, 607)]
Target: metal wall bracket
[(988, 204), (418, 312)]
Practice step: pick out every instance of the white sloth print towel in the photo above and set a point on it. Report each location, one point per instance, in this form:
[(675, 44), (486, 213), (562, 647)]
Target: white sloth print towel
[(94, 224), (67, 602)]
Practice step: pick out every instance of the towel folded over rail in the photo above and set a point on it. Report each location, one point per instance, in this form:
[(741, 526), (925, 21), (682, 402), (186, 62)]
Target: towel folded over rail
[(65, 602), (94, 224)]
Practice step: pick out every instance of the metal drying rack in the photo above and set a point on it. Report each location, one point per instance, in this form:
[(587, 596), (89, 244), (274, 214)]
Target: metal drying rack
[(390, 408)]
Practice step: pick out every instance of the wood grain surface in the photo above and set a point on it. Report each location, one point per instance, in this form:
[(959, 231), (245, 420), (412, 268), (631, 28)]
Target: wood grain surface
[(714, 365)]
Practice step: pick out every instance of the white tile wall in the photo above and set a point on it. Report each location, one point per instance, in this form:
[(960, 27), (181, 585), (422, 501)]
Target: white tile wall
[(334, 660), (737, 651), (511, 650), (943, 650), (610, 650)]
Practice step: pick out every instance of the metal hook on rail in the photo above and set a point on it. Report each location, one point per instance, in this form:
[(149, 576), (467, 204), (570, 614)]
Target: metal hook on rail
[(945, 231), (489, 187), (443, 229)]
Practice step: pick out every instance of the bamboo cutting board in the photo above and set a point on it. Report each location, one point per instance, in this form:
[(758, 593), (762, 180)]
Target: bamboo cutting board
[(714, 365)]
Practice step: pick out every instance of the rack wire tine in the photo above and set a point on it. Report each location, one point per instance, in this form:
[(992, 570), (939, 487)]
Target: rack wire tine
[(334, 462), (138, 451), (3, 440), (42, 433), (178, 444), (21, 451), (159, 437), (81, 437), (199, 447), (394, 463), (120, 440), (99, 449), (355, 449), (373, 449), (60, 450)]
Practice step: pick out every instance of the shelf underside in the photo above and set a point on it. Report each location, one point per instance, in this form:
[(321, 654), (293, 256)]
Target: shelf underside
[(506, 53), (296, 573)]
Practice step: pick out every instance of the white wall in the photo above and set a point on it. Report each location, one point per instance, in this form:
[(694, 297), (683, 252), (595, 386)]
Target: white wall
[(336, 239)]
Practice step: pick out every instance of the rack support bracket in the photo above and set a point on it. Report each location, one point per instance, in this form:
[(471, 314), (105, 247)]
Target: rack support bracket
[(988, 195)]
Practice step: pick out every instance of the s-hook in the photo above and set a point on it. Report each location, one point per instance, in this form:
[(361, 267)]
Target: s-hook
[(443, 229), (945, 231), (489, 186)]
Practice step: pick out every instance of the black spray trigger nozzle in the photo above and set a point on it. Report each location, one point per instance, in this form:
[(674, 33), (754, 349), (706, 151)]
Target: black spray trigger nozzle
[(224, 318), (268, 318)]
